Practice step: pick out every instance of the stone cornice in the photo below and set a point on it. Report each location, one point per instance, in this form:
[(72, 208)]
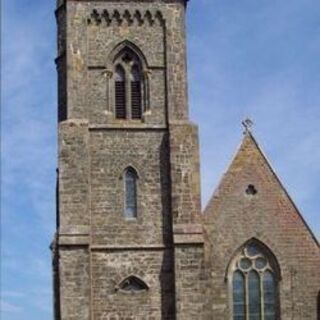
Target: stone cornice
[(118, 17)]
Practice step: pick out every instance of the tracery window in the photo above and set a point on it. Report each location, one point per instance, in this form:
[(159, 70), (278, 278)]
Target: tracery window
[(254, 285), (128, 85), (130, 193)]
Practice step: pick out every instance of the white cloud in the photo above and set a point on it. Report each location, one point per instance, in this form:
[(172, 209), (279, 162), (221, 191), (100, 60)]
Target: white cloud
[(7, 307)]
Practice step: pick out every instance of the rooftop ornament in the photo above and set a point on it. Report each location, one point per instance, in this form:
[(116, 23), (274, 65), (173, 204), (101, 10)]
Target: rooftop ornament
[(247, 124)]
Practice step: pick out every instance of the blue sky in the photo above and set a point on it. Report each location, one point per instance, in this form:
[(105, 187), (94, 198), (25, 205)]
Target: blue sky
[(246, 58)]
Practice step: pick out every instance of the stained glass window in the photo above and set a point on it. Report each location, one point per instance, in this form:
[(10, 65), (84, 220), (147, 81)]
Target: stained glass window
[(254, 295), (254, 285), (269, 292), (252, 249), (238, 296)]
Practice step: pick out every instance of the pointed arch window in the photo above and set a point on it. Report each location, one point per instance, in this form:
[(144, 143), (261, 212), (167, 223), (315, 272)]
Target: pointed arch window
[(129, 85), (254, 280), (131, 178)]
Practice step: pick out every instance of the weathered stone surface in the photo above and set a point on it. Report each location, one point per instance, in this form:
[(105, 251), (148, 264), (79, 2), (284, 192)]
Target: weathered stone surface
[(73, 177), (95, 240), (234, 217), (87, 37), (154, 267), (74, 279), (111, 152), (185, 173), (100, 257)]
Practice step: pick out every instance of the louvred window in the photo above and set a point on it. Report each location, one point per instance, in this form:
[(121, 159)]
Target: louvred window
[(120, 93)]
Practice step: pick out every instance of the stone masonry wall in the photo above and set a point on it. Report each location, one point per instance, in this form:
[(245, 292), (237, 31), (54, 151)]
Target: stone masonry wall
[(190, 281), (111, 152), (233, 217), (185, 173), (187, 221), (73, 177), (96, 246), (154, 267), (155, 27), (74, 274)]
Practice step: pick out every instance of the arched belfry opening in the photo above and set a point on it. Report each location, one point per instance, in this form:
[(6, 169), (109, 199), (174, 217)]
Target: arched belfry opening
[(130, 85)]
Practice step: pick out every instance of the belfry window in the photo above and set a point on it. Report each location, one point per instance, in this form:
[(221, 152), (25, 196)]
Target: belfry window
[(128, 86), (130, 193), (254, 283)]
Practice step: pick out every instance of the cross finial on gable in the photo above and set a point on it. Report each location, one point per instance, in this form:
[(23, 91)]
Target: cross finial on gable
[(248, 124)]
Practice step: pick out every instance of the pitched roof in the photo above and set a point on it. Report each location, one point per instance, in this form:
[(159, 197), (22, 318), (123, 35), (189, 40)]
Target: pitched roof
[(251, 158)]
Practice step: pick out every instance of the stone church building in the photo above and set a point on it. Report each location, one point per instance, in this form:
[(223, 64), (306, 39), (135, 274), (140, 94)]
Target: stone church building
[(132, 241)]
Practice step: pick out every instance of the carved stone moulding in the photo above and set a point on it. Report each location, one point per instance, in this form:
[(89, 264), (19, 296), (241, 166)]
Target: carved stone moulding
[(117, 17)]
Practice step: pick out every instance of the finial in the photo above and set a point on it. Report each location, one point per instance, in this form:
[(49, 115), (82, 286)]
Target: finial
[(248, 124)]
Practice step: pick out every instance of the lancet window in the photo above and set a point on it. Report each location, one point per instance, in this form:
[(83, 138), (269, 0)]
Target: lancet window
[(130, 179)]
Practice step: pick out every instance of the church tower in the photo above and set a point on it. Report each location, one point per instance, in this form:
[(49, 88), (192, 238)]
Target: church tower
[(129, 241)]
